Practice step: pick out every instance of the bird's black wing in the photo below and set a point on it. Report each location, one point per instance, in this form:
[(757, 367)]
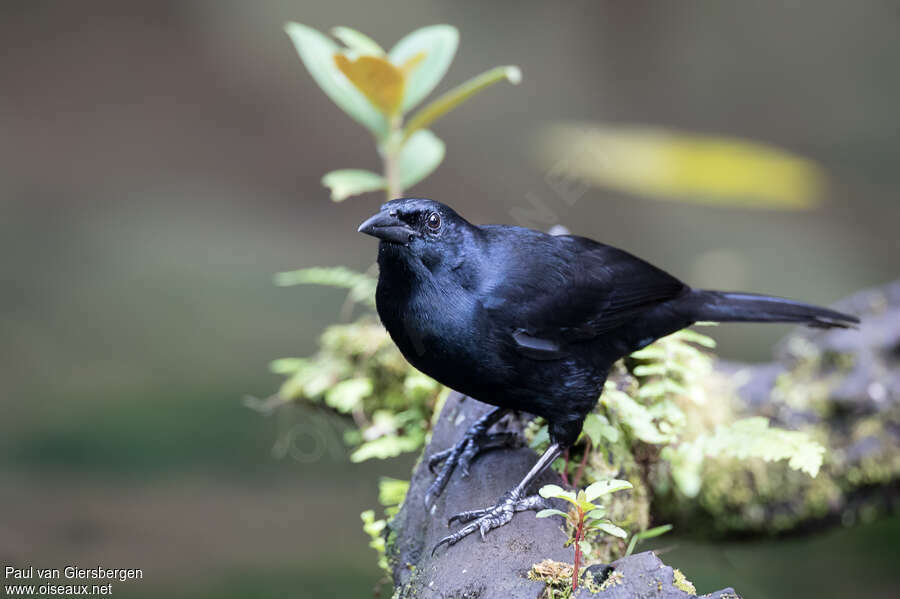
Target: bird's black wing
[(566, 288)]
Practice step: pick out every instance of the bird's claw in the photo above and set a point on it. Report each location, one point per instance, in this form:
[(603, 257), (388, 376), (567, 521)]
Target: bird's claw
[(441, 456), (487, 519), (462, 454), (468, 516)]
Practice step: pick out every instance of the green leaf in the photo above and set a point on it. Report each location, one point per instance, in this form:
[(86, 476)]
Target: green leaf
[(597, 513), (557, 492), (386, 447), (348, 182), (634, 415), (438, 44), (646, 534), (540, 437), (287, 365), (698, 338), (372, 526), (651, 533), (660, 388), (631, 544), (687, 466), (356, 41), (392, 491), (551, 512), (460, 94), (420, 155), (605, 487), (597, 428), (346, 395), (417, 383), (747, 438), (317, 52), (548, 491), (312, 379), (651, 352), (375, 529), (610, 528), (650, 370), (752, 437)]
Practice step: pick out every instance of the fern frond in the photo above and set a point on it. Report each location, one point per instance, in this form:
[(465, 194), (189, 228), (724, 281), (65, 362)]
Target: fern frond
[(360, 285), (753, 437), (747, 438)]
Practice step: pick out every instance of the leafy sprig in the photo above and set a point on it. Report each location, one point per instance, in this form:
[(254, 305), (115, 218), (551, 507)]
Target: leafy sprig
[(377, 89), (585, 518)]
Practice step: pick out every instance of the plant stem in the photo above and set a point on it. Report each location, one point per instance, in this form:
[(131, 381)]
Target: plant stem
[(579, 535), (460, 94), (390, 152), (393, 189)]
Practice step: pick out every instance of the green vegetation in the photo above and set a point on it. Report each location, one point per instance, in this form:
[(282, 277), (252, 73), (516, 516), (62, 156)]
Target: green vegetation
[(681, 581), (556, 575), (585, 518)]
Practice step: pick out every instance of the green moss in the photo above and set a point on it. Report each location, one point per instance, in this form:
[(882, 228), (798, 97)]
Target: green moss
[(681, 581), (614, 579), (557, 576), (755, 496), (389, 543), (590, 584), (881, 463)]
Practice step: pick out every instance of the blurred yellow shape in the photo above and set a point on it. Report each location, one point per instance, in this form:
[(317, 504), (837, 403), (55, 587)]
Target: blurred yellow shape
[(379, 80), (687, 167)]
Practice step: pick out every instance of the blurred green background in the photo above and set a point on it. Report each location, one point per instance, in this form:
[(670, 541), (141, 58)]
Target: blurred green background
[(159, 161)]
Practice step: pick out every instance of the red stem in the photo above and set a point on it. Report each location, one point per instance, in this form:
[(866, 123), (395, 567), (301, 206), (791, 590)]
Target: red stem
[(565, 472), (579, 535)]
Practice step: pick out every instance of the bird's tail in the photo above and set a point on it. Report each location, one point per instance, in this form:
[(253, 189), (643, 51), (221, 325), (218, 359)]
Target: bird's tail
[(726, 306)]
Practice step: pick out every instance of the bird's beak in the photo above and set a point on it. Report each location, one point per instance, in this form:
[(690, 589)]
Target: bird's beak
[(389, 228)]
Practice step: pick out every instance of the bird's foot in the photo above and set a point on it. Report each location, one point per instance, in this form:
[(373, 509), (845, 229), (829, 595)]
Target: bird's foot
[(487, 519), (474, 442)]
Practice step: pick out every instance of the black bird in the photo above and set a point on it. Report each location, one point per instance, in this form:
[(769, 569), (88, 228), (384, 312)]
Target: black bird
[(531, 322)]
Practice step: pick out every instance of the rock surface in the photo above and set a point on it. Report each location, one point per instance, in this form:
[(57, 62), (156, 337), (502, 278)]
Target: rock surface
[(498, 566), (643, 575)]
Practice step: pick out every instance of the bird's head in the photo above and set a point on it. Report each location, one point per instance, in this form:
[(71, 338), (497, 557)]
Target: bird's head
[(419, 229)]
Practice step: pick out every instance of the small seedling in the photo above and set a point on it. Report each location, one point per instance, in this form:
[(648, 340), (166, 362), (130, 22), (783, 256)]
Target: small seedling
[(585, 517)]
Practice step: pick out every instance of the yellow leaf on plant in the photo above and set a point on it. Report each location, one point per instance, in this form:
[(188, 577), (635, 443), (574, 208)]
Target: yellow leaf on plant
[(379, 80), (680, 166)]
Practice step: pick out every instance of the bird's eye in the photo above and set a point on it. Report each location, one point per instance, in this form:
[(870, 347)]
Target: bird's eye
[(433, 221)]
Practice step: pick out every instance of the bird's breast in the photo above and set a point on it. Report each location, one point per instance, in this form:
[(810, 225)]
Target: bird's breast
[(438, 332)]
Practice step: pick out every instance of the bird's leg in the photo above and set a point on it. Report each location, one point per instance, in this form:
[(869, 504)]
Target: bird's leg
[(511, 502), (474, 441)]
